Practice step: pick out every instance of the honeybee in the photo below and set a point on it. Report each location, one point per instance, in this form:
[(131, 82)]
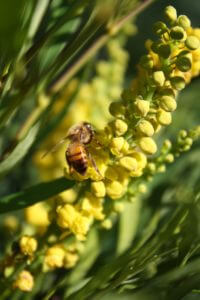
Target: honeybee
[(77, 154)]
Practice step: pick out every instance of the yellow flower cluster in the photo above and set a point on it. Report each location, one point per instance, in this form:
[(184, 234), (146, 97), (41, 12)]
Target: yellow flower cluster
[(57, 256), (24, 281), (28, 245), (144, 108)]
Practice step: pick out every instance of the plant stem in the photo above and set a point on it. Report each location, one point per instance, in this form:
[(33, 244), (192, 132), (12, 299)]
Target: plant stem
[(66, 75)]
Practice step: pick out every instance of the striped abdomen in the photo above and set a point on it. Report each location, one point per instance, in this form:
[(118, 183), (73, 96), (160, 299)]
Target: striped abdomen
[(76, 157)]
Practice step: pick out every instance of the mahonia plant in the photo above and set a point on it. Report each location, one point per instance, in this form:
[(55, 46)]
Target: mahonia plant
[(124, 158)]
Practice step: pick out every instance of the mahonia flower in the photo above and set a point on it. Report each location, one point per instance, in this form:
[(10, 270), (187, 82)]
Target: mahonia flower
[(57, 257), (70, 217), (28, 245), (37, 215), (24, 281)]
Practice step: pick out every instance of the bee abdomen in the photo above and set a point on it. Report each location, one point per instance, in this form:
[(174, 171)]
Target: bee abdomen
[(80, 166), (78, 161)]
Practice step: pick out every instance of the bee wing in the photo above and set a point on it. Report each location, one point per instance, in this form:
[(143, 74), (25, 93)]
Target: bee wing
[(55, 147)]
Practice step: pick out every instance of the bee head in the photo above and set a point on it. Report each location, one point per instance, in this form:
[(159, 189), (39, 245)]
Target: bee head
[(82, 132), (87, 133)]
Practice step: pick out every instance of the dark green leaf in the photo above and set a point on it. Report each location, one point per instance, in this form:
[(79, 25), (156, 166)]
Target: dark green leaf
[(34, 194), (19, 151)]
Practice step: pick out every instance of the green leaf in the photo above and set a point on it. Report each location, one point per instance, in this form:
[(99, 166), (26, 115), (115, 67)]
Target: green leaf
[(34, 194), (19, 152), (128, 229)]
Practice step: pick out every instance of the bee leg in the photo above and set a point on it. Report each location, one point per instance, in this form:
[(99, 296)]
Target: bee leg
[(71, 169), (94, 164), (96, 141)]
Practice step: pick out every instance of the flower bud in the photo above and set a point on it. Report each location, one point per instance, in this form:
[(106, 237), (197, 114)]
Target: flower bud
[(70, 260), (106, 224), (189, 141), (117, 109), (182, 134), (146, 62), (186, 148), (145, 128), (114, 189), (156, 45), (111, 173), (163, 117), (147, 145), (159, 78), (151, 167), (177, 82), (28, 245), (159, 28), (142, 107), (184, 21), (37, 215), (98, 189), (117, 145), (118, 207), (141, 159), (128, 163), (142, 188), (24, 281), (161, 168), (168, 103), (120, 127), (167, 92), (10, 223), (164, 50), (184, 63), (178, 33), (54, 257), (167, 144), (169, 158), (192, 42), (170, 13)]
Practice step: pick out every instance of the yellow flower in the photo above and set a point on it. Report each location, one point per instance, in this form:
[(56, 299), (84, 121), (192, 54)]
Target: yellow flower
[(54, 257), (37, 215), (70, 259), (92, 206), (28, 245), (107, 224), (168, 103), (145, 128), (114, 189), (129, 163), (69, 217), (142, 107), (164, 118), (147, 145), (98, 189), (120, 127), (24, 281), (117, 145)]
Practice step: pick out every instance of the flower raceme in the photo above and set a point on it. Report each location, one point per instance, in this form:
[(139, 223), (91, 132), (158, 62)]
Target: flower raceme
[(143, 110)]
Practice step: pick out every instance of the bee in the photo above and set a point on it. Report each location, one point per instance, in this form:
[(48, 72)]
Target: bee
[(77, 154)]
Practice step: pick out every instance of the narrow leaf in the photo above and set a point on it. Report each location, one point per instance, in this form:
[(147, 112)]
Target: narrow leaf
[(19, 152), (34, 194)]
